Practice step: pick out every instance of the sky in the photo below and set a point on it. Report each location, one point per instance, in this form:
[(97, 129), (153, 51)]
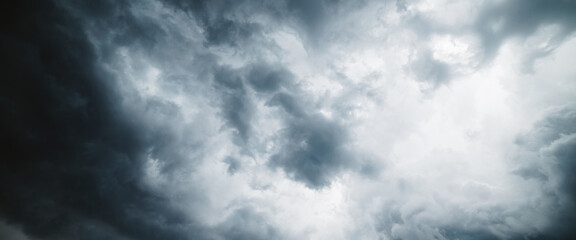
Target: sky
[(288, 119)]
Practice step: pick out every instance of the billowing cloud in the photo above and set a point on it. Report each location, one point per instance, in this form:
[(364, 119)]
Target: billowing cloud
[(176, 119)]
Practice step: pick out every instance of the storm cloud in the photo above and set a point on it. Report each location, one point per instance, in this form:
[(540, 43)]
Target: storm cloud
[(289, 119)]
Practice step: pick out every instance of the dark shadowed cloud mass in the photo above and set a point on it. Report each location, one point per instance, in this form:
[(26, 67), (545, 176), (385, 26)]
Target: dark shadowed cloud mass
[(288, 119)]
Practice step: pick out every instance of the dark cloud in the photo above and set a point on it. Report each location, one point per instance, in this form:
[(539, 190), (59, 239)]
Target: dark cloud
[(310, 14), (115, 20), (531, 172), (230, 32), (314, 148), (70, 155), (74, 159), (502, 20), (71, 165), (228, 22), (558, 123), (12, 232), (463, 234), (264, 78), (553, 142), (165, 141), (237, 107), (314, 152), (219, 19), (78, 133)]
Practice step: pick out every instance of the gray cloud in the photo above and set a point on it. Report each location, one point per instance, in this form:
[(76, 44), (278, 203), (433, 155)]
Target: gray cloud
[(314, 148), (93, 92), (85, 156), (314, 152), (265, 78), (71, 163), (288, 103), (75, 160), (500, 21), (428, 69), (247, 223), (11, 232), (228, 31), (552, 143), (236, 106), (496, 23), (234, 164)]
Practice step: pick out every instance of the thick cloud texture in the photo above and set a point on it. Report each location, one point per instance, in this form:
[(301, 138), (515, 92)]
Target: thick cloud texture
[(287, 119)]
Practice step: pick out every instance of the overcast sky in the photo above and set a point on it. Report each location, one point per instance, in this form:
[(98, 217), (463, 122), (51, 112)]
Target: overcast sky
[(288, 119)]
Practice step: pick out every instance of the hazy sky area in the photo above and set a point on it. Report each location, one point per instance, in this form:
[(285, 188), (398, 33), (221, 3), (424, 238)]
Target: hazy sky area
[(288, 119)]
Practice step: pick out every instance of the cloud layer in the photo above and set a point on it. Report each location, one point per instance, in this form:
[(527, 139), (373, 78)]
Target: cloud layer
[(173, 119)]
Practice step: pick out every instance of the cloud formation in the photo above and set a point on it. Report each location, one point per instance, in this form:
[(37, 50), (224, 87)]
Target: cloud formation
[(173, 119)]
